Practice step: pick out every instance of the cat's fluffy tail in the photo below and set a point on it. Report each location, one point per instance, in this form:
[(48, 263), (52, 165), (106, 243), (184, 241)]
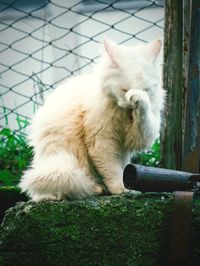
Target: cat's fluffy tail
[(57, 176)]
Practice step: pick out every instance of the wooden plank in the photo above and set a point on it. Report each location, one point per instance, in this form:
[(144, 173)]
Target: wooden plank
[(191, 129), (171, 136)]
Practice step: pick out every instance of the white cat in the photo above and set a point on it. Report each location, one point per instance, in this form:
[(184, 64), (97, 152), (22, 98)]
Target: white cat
[(84, 133)]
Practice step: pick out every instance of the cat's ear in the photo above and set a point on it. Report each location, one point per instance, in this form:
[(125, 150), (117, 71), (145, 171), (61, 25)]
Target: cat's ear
[(112, 50), (155, 47)]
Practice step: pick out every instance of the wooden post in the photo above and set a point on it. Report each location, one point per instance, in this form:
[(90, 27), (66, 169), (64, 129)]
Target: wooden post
[(180, 139), (171, 138), (191, 126)]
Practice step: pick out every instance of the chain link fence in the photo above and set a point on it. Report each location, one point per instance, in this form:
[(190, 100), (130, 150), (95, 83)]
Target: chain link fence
[(43, 42)]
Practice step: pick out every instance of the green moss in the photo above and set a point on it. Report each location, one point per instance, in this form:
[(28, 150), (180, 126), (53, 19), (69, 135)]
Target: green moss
[(115, 230), (110, 230)]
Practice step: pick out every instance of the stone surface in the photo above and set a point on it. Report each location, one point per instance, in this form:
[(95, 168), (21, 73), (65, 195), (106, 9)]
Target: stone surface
[(9, 196), (108, 230)]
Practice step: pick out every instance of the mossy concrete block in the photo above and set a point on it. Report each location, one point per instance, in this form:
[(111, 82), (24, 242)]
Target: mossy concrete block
[(9, 196), (108, 230)]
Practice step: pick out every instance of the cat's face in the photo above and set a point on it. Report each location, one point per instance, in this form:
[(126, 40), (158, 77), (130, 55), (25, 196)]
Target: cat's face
[(131, 68)]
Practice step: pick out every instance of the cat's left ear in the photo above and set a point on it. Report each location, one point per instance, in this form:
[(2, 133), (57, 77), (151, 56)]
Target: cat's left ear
[(112, 50), (154, 48)]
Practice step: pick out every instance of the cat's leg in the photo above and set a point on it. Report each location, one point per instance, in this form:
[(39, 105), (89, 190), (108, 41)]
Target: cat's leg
[(109, 163), (143, 128), (44, 197), (56, 177)]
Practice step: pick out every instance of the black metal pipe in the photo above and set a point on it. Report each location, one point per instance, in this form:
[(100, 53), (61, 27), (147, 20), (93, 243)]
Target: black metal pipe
[(152, 179)]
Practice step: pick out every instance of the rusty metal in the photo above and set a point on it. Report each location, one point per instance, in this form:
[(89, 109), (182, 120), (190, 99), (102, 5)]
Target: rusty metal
[(152, 179), (179, 249)]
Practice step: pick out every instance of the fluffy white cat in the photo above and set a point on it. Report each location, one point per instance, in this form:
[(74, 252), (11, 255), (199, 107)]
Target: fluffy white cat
[(84, 133)]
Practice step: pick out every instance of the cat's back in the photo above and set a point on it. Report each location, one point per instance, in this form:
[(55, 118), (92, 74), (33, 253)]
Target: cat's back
[(73, 89), (62, 107), (70, 95)]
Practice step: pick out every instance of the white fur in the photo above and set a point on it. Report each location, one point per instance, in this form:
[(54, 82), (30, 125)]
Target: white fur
[(88, 125)]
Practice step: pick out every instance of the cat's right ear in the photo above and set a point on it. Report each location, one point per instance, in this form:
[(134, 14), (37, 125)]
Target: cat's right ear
[(111, 49)]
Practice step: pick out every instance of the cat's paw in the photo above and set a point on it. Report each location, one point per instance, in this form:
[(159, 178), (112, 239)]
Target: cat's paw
[(99, 190), (38, 198), (118, 189), (138, 101)]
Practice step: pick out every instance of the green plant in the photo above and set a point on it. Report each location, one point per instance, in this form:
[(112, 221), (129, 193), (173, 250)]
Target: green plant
[(15, 156), (148, 158)]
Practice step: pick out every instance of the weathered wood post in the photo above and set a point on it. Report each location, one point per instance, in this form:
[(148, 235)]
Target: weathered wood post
[(171, 144), (191, 123), (180, 139)]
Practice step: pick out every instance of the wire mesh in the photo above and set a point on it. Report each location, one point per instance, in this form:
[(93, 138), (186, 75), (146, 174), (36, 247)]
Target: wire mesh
[(43, 42)]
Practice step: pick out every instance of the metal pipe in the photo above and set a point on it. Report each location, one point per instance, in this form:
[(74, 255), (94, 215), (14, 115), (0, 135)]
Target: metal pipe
[(152, 179)]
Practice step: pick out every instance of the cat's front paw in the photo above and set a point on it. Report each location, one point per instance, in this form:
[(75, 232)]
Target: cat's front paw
[(138, 101), (118, 189)]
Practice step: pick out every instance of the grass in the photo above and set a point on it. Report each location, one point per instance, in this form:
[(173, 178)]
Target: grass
[(15, 156)]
